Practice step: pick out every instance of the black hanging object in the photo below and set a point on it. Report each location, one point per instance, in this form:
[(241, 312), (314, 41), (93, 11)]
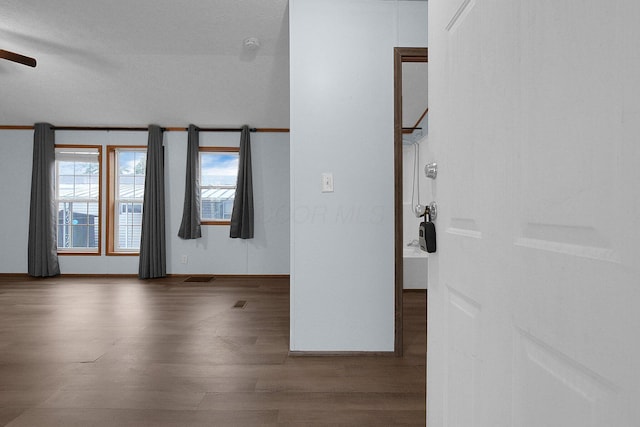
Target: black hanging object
[(427, 234)]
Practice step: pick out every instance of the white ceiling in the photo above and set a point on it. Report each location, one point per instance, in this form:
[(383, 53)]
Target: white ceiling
[(135, 62)]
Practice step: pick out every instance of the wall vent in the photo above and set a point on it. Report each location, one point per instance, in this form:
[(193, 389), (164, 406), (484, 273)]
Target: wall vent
[(199, 279)]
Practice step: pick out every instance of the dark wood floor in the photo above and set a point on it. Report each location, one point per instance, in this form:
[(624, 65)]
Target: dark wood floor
[(119, 352)]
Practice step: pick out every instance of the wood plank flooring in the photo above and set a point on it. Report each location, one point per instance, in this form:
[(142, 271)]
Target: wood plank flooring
[(122, 352)]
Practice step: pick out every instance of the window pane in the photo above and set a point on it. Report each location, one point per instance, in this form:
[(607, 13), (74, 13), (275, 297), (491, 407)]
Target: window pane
[(78, 225), (138, 187), (78, 180), (218, 168), (131, 171), (132, 162), (129, 225), (218, 175)]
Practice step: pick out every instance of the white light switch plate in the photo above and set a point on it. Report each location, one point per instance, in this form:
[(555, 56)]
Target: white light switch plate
[(327, 183)]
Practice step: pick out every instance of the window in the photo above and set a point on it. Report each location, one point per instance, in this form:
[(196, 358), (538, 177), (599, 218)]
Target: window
[(218, 175), (77, 187), (126, 167)]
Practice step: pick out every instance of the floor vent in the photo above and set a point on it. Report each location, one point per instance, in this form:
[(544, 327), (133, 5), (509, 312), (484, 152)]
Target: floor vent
[(199, 279), (240, 304)]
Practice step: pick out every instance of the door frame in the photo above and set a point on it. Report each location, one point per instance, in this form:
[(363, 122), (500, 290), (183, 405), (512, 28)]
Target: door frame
[(400, 55)]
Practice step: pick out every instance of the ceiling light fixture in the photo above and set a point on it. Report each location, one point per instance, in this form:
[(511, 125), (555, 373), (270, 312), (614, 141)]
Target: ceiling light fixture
[(251, 43)]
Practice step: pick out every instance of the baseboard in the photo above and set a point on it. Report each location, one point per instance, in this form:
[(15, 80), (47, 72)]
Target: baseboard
[(134, 276), (340, 353), (94, 275), (232, 276), (62, 276)]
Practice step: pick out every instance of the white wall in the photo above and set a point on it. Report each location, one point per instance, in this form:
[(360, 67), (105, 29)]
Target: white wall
[(16, 149), (214, 253), (342, 258)]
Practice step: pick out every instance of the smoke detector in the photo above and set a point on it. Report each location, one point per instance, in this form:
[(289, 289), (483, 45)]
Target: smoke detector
[(251, 43)]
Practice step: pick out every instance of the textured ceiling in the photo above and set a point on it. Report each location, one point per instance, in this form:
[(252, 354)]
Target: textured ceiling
[(134, 62)]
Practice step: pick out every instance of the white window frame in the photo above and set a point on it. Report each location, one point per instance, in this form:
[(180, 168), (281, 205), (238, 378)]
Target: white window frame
[(76, 153), (208, 188), (115, 202)]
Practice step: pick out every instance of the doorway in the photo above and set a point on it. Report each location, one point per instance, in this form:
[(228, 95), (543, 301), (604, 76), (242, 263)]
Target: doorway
[(401, 55)]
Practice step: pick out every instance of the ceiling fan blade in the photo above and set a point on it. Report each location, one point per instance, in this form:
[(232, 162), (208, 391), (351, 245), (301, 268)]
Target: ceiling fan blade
[(16, 57)]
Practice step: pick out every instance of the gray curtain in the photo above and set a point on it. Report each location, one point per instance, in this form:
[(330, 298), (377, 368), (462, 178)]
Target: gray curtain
[(190, 226), (153, 261), (42, 247), (242, 214)]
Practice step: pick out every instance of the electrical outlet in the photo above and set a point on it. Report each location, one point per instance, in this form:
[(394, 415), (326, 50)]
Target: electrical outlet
[(327, 183), (184, 259)]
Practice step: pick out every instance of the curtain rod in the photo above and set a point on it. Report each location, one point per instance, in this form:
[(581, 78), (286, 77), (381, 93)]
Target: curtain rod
[(143, 129)]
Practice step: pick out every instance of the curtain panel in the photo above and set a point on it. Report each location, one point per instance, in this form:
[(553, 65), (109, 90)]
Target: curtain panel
[(42, 260), (242, 213), (153, 261), (190, 226)]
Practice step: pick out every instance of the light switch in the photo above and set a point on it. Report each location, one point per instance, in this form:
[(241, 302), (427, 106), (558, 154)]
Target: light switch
[(327, 183)]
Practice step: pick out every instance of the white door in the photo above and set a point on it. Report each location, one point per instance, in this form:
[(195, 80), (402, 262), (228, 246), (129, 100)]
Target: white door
[(534, 293)]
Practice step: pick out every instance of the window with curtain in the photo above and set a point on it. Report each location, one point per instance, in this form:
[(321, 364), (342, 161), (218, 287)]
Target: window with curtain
[(77, 191), (126, 168), (218, 176)]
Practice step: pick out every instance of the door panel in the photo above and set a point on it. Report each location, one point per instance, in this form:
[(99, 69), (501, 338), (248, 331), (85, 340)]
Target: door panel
[(464, 210), (535, 288), (568, 393), (463, 324)]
